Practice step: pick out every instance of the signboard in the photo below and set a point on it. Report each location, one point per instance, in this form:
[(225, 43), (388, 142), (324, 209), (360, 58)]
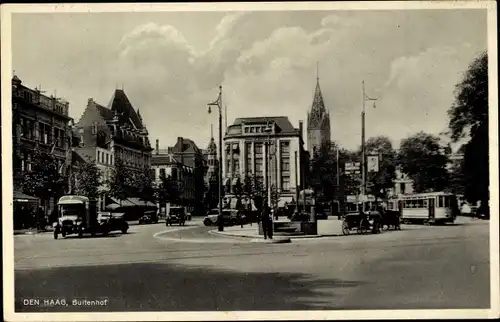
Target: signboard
[(372, 163)]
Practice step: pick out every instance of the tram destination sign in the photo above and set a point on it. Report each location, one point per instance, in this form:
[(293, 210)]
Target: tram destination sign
[(353, 167)]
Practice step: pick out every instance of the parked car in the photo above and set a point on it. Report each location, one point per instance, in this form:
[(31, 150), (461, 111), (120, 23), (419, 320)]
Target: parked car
[(112, 222), (230, 217), (149, 217), (176, 215)]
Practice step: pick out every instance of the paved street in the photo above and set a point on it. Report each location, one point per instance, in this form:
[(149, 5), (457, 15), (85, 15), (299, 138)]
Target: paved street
[(419, 267)]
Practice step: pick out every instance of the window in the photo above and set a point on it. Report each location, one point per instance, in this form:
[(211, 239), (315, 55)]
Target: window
[(258, 130), (402, 187), (440, 201), (162, 173), (285, 183), (248, 158), (111, 159), (107, 158), (98, 156), (43, 133), (246, 130), (252, 130)]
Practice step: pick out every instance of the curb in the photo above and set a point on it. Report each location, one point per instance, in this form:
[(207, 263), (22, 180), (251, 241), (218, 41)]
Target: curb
[(271, 241), (229, 234)]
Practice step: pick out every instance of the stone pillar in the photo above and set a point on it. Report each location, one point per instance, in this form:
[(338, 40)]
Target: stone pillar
[(253, 157)]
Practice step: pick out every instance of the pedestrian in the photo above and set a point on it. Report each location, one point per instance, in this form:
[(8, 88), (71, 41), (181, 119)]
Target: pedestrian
[(264, 221)]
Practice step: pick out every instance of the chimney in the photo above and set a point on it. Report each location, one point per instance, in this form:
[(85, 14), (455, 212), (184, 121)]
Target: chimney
[(157, 146), (301, 128)]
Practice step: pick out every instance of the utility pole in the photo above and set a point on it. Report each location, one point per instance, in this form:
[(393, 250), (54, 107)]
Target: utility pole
[(363, 174)]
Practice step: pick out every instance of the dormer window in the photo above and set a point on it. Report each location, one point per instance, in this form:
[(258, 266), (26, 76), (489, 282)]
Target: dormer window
[(94, 129)]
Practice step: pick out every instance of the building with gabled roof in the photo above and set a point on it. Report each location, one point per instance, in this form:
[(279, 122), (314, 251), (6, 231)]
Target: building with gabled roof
[(318, 123), (113, 132), (175, 162)]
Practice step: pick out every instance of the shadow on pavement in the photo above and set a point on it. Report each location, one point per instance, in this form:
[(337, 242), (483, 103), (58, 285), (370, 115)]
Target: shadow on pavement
[(166, 287)]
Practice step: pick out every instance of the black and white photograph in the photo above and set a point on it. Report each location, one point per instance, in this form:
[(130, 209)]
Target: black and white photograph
[(250, 161)]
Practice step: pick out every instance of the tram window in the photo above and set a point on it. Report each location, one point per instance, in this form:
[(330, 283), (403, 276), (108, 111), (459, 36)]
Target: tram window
[(426, 203), (440, 202)]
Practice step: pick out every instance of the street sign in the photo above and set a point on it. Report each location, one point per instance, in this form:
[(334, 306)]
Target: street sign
[(372, 163)]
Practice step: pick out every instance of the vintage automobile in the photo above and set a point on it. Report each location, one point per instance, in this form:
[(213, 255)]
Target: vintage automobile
[(230, 217), (176, 215), (112, 222), (149, 217), (76, 215)]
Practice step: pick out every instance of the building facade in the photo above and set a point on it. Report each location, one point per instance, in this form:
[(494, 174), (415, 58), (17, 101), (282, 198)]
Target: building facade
[(107, 134), (318, 123), (40, 124), (245, 154), (164, 164)]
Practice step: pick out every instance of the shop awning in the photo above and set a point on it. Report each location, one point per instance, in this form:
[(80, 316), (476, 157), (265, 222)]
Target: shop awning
[(122, 203), (22, 197), (139, 202)]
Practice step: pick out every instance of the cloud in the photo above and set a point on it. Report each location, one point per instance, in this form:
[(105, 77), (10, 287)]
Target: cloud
[(266, 63)]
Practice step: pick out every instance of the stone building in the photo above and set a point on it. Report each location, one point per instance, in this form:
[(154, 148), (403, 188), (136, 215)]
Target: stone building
[(110, 133), (164, 163), (39, 123), (318, 123), (245, 153)]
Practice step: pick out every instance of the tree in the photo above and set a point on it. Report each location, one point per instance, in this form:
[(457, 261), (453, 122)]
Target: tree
[(421, 158), (87, 179), (168, 190), (253, 187), (323, 173), (211, 198), (119, 184), (43, 179), (144, 182), (238, 192), (468, 117), (382, 180)]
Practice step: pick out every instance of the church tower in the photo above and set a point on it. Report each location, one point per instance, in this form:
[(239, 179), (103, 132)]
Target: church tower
[(212, 161), (318, 122)]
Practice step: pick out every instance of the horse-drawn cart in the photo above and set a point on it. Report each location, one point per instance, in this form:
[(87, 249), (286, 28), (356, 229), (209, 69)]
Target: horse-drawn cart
[(361, 223)]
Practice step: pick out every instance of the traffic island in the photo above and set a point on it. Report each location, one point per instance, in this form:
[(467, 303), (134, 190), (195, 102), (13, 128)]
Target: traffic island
[(274, 240)]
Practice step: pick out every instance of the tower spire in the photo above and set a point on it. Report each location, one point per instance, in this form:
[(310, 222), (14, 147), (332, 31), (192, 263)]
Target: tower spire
[(317, 72)]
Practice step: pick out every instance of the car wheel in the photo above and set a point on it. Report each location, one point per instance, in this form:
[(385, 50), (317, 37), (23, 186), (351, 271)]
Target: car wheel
[(124, 230), (56, 233), (63, 233), (207, 222)]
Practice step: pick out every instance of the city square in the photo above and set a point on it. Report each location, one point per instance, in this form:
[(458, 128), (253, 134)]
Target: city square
[(252, 161)]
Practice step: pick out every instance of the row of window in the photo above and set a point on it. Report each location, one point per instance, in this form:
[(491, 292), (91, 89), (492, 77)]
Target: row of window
[(104, 158), (440, 202), (44, 133), (133, 158), (255, 129)]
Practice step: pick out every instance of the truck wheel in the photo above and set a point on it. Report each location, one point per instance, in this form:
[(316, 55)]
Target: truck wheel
[(63, 233), (56, 233), (124, 230)]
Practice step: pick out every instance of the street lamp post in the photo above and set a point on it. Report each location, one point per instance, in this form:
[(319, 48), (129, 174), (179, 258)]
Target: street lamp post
[(363, 152), (218, 104), (270, 155)]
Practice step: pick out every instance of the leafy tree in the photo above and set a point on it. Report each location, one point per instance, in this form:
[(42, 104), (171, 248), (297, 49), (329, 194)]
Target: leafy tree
[(211, 198), (253, 187), (43, 179), (383, 179), (468, 117), (323, 174), (238, 192), (420, 157), (169, 190), (87, 179), (120, 182), (144, 182)]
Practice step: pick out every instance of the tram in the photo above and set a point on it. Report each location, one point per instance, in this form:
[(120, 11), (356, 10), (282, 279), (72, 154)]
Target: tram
[(428, 208)]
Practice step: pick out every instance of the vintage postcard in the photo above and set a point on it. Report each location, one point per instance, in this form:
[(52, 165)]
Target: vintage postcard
[(250, 161)]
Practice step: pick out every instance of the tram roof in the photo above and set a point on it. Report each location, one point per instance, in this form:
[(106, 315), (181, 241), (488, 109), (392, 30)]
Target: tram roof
[(68, 200), (427, 194)]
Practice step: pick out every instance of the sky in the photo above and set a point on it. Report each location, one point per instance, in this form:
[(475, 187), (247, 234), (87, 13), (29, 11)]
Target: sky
[(170, 65)]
